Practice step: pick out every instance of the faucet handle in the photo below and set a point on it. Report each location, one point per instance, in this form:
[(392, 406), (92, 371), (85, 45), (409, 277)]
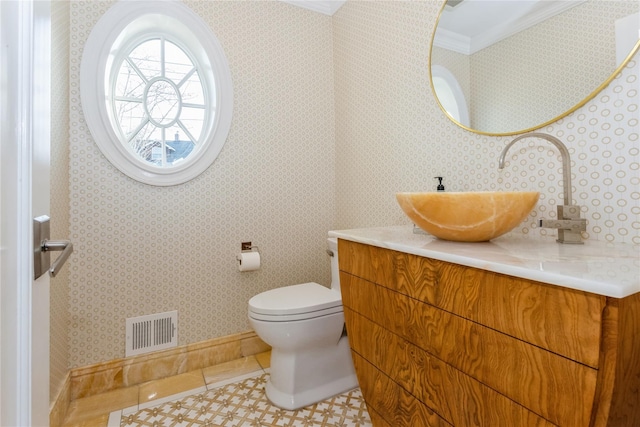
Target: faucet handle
[(575, 225), (568, 212), (573, 236), (569, 224)]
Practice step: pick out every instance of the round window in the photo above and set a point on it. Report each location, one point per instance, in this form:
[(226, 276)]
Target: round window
[(160, 107)]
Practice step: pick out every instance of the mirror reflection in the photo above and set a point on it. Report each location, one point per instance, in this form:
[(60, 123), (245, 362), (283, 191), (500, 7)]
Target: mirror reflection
[(502, 67)]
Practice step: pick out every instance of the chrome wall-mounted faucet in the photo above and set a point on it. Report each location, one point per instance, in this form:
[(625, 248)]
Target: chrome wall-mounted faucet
[(569, 224)]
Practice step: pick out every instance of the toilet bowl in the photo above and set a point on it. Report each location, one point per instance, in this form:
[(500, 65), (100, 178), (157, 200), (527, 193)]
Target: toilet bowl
[(304, 325)]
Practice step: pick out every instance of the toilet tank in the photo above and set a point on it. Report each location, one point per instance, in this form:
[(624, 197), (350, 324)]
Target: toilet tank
[(332, 245)]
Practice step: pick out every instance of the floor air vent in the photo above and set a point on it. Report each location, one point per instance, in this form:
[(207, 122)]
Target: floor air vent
[(150, 333)]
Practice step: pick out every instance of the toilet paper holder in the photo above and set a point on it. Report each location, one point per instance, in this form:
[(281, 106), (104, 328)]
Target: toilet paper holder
[(248, 247), (248, 258)]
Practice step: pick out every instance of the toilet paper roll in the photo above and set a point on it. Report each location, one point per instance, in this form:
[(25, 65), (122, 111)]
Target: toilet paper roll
[(249, 261)]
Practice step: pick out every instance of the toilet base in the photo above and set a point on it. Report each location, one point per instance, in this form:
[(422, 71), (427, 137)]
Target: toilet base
[(299, 379)]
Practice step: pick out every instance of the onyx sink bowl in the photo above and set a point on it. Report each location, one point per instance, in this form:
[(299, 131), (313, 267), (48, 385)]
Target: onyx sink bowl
[(468, 216)]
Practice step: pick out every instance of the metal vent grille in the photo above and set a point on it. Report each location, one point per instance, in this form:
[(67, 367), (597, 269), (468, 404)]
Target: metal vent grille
[(150, 333)]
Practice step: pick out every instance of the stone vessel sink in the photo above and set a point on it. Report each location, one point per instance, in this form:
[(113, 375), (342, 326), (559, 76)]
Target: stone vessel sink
[(468, 216)]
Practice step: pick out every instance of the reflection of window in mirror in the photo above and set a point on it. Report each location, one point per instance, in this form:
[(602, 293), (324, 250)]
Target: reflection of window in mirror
[(450, 94)]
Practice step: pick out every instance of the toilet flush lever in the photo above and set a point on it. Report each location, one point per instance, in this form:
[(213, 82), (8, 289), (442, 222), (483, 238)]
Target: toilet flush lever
[(42, 246)]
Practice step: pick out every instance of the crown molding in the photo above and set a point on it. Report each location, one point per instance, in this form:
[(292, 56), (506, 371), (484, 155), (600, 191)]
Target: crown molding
[(466, 45), (326, 7), (453, 41)]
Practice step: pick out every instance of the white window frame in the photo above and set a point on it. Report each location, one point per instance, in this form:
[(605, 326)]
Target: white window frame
[(119, 27), (452, 100)]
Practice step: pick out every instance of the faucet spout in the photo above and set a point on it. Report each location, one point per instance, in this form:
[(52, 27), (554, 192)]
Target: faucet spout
[(564, 152), (569, 223)]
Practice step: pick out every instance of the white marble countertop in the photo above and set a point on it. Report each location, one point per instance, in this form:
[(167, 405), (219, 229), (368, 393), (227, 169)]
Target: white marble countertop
[(610, 269)]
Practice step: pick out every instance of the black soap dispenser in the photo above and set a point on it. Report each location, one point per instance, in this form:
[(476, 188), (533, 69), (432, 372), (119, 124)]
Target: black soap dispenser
[(440, 186)]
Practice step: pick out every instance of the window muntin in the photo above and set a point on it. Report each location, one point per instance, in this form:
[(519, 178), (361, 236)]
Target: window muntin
[(158, 102), (138, 51)]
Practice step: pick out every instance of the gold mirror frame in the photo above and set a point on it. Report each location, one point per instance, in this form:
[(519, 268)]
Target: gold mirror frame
[(589, 97)]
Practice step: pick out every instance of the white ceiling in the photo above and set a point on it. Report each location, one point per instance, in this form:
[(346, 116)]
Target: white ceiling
[(473, 25), (328, 7)]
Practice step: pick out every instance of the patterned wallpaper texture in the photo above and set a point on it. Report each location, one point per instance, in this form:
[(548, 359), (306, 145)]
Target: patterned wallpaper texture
[(391, 135), (547, 52), (59, 294), (332, 117), (143, 249)]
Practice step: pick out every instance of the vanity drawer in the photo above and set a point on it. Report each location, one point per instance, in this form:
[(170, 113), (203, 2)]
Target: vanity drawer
[(384, 396), (557, 389), (457, 398), (561, 320)]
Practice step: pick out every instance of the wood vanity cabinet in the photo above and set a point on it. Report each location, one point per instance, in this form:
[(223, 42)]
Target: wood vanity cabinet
[(440, 344)]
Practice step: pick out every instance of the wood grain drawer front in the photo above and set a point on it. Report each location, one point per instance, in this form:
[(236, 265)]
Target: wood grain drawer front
[(368, 262), (552, 386), (561, 320), (390, 401), (376, 418), (456, 397)]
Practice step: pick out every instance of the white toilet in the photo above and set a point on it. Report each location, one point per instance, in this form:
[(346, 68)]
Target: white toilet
[(304, 325)]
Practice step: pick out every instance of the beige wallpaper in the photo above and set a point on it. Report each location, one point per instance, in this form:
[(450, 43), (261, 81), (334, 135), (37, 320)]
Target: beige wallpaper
[(391, 136), (143, 249), (333, 116), (583, 35), (59, 328)]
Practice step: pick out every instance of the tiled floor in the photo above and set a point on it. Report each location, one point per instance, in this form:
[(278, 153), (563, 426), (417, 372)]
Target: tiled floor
[(227, 394)]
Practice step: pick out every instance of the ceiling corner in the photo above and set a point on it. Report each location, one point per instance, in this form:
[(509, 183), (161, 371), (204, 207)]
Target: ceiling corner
[(327, 7)]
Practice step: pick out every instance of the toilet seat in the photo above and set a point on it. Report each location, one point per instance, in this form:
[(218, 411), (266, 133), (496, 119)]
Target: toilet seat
[(297, 302)]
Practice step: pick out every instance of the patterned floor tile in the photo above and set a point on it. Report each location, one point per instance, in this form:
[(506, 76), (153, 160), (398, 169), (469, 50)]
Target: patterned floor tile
[(244, 404)]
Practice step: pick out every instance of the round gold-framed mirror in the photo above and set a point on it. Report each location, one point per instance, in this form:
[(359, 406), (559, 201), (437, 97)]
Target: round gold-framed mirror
[(504, 67)]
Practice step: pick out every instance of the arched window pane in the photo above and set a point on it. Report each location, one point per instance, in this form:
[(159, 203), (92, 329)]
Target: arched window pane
[(192, 119), (146, 57), (131, 116), (177, 63), (129, 84), (192, 91)]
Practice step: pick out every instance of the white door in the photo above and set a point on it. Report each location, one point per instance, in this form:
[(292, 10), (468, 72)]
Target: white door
[(24, 182)]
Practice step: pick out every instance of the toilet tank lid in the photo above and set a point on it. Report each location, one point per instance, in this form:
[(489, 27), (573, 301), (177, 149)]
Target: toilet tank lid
[(303, 298)]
